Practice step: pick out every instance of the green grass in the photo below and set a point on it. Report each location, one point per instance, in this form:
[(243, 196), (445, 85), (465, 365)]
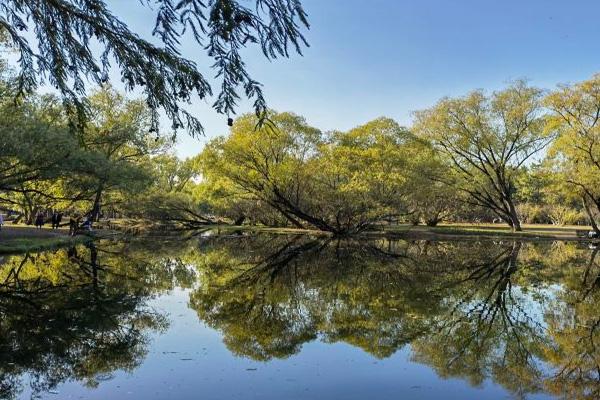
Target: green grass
[(445, 231), (255, 228), (30, 244), (529, 232), (22, 244)]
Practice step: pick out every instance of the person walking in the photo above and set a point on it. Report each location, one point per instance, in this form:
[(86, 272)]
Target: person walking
[(39, 220), (87, 224), (58, 219), (1, 221), (54, 217)]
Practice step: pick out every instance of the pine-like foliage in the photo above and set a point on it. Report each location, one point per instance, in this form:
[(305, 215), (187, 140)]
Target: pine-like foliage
[(55, 38)]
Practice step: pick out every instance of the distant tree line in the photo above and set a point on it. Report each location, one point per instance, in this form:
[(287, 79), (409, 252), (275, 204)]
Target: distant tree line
[(519, 155)]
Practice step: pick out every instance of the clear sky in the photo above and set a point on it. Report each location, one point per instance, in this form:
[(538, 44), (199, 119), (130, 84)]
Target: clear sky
[(370, 58)]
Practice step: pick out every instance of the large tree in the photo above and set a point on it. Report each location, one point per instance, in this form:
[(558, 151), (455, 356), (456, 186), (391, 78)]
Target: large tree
[(44, 165), (366, 174), (488, 139), (576, 153), (117, 138), (37, 150), (269, 165), (69, 43), (342, 182)]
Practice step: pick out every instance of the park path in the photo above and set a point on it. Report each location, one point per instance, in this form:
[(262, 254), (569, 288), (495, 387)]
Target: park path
[(14, 232)]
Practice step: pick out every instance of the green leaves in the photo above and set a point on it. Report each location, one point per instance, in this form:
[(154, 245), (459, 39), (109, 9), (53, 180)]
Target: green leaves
[(487, 139), (340, 182), (47, 165), (60, 51), (575, 155)]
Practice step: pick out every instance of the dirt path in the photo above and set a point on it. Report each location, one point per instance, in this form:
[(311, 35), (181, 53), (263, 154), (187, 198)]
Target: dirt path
[(16, 232)]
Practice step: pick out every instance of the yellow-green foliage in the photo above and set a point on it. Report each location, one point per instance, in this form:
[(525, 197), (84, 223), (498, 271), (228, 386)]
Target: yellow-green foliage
[(340, 181), (576, 152)]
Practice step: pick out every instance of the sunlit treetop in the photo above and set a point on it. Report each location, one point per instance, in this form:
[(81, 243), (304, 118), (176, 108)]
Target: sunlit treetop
[(71, 44)]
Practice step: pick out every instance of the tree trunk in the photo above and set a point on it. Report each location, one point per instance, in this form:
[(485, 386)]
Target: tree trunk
[(95, 214), (514, 217), (29, 210), (433, 220), (291, 219), (588, 211), (415, 218)]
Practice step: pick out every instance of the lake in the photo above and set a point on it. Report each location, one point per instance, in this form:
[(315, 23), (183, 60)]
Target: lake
[(256, 316)]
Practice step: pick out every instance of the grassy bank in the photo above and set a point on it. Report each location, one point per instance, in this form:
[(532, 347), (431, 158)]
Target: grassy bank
[(447, 231), (19, 239), (23, 238), (488, 231), (440, 232), (225, 229), (29, 244)]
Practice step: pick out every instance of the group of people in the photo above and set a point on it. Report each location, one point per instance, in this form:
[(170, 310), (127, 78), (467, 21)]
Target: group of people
[(55, 219), (75, 221)]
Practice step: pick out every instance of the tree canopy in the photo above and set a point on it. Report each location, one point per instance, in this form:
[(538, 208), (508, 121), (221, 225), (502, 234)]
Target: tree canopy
[(72, 43), (576, 152), (488, 139), (478, 158), (340, 182)]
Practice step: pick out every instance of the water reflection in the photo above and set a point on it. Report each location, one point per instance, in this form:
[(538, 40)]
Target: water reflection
[(525, 315), (522, 314), (77, 313)]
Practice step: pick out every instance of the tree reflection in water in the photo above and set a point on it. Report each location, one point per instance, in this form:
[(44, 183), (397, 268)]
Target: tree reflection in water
[(77, 313), (522, 314)]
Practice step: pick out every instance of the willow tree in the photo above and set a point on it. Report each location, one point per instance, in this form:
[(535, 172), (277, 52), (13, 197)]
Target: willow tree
[(488, 139), (365, 175), (342, 182), (117, 137), (44, 165), (269, 165), (37, 149), (431, 198), (71, 43), (576, 153)]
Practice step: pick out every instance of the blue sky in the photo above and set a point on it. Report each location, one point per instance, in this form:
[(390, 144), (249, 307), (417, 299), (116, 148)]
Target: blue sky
[(370, 58)]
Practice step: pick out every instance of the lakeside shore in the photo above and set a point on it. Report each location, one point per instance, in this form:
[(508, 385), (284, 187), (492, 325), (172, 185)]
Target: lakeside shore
[(23, 238), (450, 231)]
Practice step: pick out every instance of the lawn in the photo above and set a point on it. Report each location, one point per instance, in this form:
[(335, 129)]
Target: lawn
[(530, 231), (24, 238), (445, 231)]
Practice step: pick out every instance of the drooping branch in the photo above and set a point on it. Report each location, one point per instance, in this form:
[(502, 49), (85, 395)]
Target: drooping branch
[(66, 33)]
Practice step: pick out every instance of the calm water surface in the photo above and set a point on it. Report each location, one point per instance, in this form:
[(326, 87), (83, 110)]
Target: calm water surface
[(285, 317)]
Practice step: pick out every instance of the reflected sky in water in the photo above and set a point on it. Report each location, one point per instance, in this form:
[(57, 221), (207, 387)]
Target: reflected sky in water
[(272, 317)]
